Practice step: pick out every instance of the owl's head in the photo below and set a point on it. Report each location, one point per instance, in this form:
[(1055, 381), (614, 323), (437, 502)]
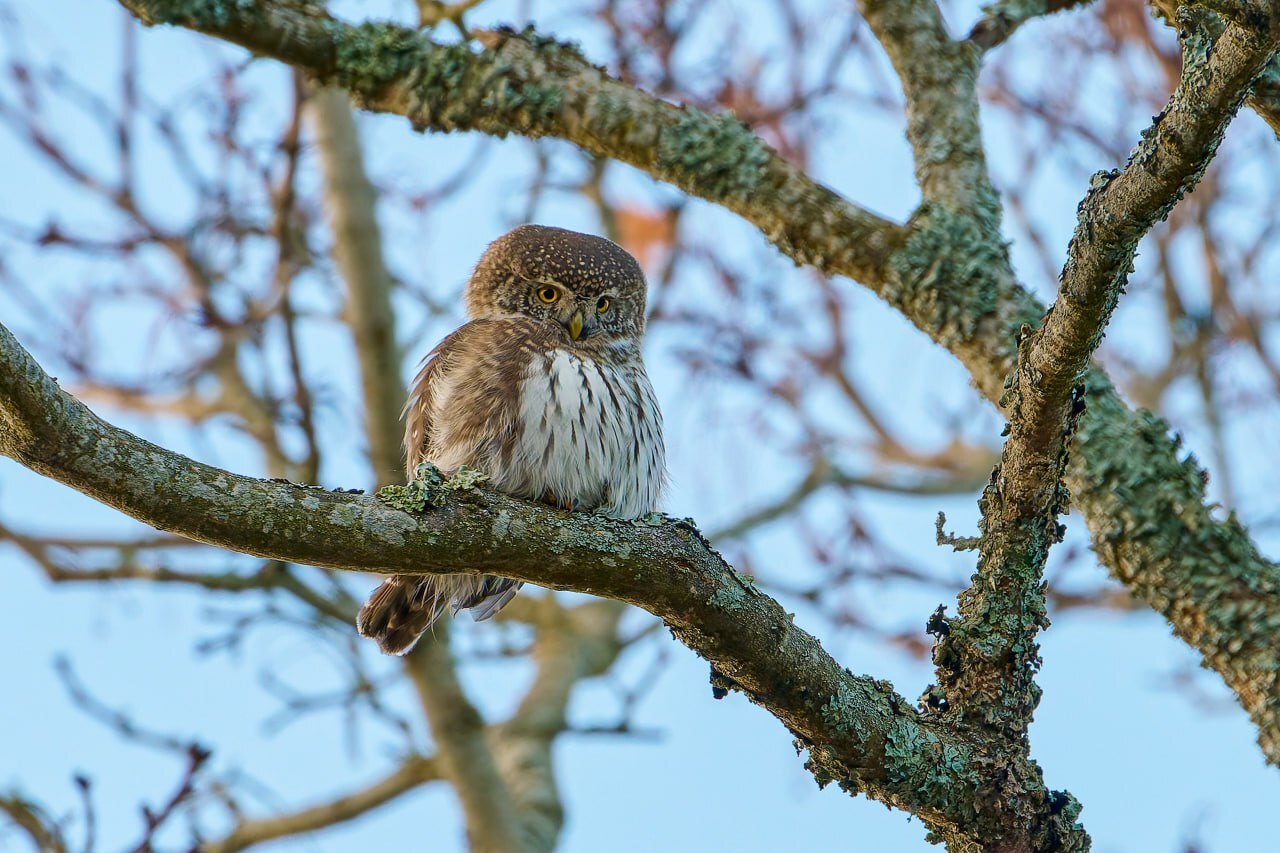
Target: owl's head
[(588, 285)]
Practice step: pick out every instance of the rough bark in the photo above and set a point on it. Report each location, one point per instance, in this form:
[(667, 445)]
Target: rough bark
[(990, 655), (1264, 98)]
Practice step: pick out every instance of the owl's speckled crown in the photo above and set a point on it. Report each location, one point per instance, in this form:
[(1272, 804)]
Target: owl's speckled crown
[(587, 264)]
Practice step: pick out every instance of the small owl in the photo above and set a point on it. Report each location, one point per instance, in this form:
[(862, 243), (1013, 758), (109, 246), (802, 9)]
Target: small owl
[(545, 391)]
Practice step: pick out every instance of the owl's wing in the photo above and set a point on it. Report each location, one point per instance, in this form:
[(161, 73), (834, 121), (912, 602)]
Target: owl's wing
[(464, 402), (461, 411), (418, 408)]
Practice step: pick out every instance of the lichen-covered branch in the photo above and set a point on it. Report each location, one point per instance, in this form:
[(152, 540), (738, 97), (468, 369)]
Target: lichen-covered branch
[(1264, 98), (1121, 206), (539, 87), (988, 659), (858, 730)]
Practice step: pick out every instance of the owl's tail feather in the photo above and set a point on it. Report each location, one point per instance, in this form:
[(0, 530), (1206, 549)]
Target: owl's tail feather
[(492, 595), (402, 609)]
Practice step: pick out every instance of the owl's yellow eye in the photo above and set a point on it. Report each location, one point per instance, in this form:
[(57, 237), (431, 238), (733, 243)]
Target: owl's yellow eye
[(548, 295), (603, 305)]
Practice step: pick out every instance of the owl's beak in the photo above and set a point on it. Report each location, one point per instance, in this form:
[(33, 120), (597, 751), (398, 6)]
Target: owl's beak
[(575, 325)]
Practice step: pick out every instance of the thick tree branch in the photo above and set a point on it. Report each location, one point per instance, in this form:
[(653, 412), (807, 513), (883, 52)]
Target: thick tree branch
[(859, 732), (987, 662), (538, 87), (1264, 99), (1218, 71)]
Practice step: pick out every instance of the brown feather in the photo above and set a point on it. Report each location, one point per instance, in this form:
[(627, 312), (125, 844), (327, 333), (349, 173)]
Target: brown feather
[(400, 610)]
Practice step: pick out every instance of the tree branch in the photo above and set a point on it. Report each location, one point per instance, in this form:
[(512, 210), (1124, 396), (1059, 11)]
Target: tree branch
[(412, 773), (571, 644), (988, 659), (939, 79), (1264, 99), (29, 817), (493, 824), (1000, 19), (538, 87), (858, 731)]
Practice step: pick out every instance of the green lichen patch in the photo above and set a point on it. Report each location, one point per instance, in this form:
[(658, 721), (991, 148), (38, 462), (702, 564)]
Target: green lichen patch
[(428, 473), (944, 275), (726, 597), (525, 105), (427, 489), (464, 479), (940, 774), (371, 56), (452, 87), (715, 155), (838, 713), (200, 14), (406, 498)]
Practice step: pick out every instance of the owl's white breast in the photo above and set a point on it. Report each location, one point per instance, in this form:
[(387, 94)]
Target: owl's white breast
[(590, 436)]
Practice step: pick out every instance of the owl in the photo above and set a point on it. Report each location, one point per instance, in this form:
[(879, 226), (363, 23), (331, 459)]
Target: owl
[(544, 390)]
